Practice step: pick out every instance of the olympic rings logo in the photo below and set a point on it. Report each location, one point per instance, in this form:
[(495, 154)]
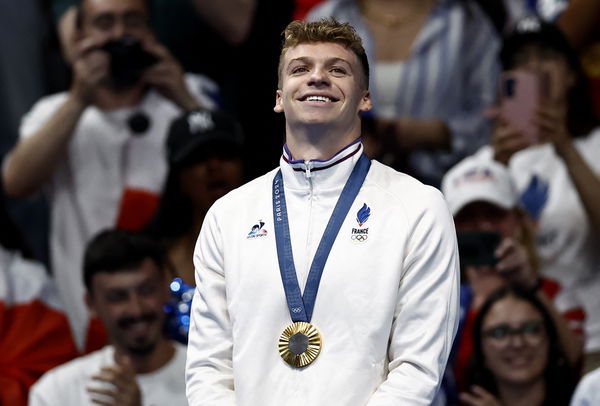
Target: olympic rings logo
[(359, 237), (296, 309)]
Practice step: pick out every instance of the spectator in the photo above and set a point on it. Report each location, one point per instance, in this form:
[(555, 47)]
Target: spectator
[(34, 332), (518, 358), (233, 33), (579, 20), (100, 146), (557, 175), (485, 204), (587, 392), (435, 70), (125, 280), (205, 161)]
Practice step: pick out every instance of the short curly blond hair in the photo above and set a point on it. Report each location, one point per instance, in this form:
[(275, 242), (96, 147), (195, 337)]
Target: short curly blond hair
[(325, 30)]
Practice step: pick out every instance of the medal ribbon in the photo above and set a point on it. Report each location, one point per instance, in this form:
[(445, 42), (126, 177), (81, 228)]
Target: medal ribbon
[(301, 307)]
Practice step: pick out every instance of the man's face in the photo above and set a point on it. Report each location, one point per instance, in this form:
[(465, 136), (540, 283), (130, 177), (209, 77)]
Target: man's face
[(130, 304), (113, 19), (321, 83)]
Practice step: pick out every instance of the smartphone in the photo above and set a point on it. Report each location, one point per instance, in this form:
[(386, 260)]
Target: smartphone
[(520, 95), (477, 248)]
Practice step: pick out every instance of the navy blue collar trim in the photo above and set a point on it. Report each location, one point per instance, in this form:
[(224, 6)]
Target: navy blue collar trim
[(328, 162)]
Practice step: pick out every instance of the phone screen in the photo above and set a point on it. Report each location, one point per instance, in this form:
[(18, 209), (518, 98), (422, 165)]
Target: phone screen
[(521, 92)]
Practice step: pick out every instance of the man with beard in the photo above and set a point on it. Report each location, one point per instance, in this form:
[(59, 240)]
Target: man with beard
[(126, 288), (100, 146)]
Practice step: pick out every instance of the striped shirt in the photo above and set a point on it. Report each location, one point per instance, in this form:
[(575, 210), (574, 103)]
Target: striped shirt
[(451, 74)]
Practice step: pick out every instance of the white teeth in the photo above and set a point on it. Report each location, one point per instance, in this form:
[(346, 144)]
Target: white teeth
[(318, 98)]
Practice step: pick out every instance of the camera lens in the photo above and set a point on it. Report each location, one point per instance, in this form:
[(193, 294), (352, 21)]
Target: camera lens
[(509, 89)]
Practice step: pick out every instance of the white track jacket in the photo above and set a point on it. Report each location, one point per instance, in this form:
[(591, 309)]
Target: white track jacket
[(386, 306)]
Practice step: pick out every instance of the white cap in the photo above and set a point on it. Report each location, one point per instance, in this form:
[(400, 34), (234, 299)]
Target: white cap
[(478, 179)]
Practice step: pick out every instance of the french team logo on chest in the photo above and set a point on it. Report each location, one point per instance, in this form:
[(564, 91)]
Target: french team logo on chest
[(257, 230), (360, 234)]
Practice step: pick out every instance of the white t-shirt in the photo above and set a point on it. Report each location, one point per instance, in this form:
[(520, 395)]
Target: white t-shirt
[(104, 159), (588, 390), (66, 385), (567, 247)]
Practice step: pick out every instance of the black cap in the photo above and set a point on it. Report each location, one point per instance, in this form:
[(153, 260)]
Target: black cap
[(202, 128), (532, 30)]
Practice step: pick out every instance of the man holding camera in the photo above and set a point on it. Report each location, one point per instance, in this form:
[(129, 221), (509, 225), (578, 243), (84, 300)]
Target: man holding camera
[(100, 146)]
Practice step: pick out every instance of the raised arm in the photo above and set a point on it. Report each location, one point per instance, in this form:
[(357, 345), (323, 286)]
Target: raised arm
[(586, 181), (426, 315), (34, 159)]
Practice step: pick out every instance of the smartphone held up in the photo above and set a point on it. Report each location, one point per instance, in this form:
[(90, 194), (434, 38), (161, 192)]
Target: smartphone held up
[(521, 93)]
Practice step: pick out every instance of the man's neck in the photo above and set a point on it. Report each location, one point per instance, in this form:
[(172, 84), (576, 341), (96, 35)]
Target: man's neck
[(162, 353), (319, 142), (110, 99)]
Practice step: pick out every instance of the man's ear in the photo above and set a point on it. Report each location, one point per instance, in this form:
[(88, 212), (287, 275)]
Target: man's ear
[(366, 104), (278, 102), (89, 302)]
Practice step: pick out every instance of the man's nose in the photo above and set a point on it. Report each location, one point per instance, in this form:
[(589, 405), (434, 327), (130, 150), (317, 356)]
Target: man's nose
[(318, 77), (118, 30), (135, 305)]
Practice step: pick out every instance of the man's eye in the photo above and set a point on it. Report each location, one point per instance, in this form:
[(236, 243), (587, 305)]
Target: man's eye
[(116, 296), (148, 289), (339, 71), (104, 22), (299, 69)]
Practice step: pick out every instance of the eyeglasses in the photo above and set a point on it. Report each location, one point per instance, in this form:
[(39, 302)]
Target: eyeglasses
[(531, 331)]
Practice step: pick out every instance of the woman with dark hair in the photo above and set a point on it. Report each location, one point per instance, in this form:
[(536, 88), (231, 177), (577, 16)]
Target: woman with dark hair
[(555, 165), (517, 358)]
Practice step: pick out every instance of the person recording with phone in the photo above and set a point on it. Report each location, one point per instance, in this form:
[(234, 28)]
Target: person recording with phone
[(496, 251), (555, 168), (99, 147)]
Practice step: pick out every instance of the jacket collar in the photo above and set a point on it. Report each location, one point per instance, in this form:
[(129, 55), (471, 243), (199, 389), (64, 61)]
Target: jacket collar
[(318, 174)]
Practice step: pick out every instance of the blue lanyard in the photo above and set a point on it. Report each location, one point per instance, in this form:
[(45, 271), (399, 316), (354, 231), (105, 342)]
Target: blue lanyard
[(301, 308)]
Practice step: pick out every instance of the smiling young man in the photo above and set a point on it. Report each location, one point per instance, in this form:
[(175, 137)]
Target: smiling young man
[(126, 288), (331, 280)]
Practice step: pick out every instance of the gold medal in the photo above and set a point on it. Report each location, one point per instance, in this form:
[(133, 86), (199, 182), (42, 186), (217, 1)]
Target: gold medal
[(300, 344)]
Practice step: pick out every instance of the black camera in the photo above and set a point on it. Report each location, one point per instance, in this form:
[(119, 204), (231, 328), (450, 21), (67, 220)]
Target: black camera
[(128, 60), (478, 248)]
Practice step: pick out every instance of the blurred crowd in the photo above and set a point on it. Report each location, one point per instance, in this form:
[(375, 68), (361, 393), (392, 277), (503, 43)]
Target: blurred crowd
[(123, 121)]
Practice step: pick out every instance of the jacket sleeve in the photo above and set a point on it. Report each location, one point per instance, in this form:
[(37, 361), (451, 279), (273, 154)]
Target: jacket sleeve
[(209, 371), (426, 314)]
